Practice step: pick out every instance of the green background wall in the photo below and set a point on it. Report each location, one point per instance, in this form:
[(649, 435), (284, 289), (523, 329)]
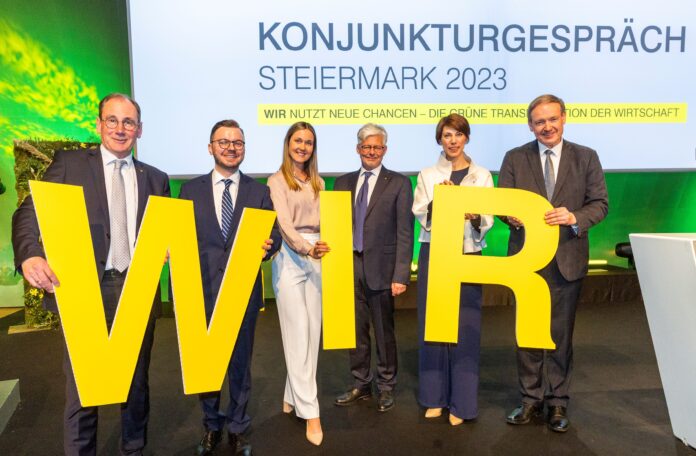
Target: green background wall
[(59, 57)]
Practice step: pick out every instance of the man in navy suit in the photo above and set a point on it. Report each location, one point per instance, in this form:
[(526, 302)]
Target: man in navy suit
[(571, 178), (219, 198), (112, 179), (382, 252)]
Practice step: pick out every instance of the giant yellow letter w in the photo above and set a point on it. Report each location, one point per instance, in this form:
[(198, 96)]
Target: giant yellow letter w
[(103, 362)]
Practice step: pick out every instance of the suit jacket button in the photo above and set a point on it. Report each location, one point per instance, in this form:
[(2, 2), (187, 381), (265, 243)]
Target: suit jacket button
[(221, 270)]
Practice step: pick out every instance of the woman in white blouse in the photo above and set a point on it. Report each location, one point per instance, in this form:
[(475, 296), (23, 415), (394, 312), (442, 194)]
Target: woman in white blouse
[(297, 271), (449, 373)]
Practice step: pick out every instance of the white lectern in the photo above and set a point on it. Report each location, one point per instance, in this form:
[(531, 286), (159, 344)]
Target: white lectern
[(666, 265)]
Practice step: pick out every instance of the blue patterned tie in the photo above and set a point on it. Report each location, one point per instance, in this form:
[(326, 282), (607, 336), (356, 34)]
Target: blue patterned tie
[(360, 213), (226, 209)]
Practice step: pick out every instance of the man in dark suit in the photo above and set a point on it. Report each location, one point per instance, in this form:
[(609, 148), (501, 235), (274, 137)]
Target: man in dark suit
[(219, 199), (571, 178), (382, 252), (116, 188)]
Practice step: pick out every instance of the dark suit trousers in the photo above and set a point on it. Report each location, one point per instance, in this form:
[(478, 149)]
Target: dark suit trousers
[(236, 419), (80, 423), (531, 363), (376, 306), (448, 374)]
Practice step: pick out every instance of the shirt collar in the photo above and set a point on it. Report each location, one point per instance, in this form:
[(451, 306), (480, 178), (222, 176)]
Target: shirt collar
[(108, 157), (555, 149), (217, 177), (375, 172)]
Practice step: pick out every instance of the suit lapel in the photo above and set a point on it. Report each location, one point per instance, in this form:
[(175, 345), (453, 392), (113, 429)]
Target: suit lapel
[(208, 207), (535, 166), (141, 177), (97, 167), (382, 182), (352, 183), (563, 166)]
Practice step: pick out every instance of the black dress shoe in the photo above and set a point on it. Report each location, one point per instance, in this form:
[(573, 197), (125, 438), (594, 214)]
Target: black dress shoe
[(523, 414), (558, 420), (352, 396), (208, 443), (239, 444), (385, 401)]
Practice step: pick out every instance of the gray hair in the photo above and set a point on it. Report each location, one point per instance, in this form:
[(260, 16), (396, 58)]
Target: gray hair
[(371, 129)]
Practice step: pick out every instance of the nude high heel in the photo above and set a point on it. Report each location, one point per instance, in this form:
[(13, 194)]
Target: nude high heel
[(433, 412), (287, 408), (455, 420), (315, 437)]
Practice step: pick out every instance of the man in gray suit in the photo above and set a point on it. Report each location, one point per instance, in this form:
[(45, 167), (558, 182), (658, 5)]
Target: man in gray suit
[(382, 252), (571, 178)]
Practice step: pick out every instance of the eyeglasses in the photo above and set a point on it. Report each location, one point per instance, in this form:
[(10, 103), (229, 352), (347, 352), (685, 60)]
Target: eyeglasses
[(128, 124), (237, 144), (367, 148)]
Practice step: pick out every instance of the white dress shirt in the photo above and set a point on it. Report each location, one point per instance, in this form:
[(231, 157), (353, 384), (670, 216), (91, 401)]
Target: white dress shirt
[(219, 187), (131, 187), (371, 183), (555, 157)]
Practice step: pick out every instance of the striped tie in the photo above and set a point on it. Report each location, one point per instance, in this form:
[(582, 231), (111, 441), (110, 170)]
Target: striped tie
[(226, 209)]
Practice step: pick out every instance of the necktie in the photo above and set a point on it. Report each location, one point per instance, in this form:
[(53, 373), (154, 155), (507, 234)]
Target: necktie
[(226, 218), (120, 250), (360, 212), (549, 175)]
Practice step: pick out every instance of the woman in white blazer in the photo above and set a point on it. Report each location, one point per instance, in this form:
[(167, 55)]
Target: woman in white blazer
[(449, 373)]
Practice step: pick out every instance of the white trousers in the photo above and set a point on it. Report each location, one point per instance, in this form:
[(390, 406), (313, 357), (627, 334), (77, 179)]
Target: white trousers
[(297, 287)]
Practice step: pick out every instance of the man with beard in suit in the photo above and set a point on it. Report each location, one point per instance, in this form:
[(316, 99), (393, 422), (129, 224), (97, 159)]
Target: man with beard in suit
[(219, 199)]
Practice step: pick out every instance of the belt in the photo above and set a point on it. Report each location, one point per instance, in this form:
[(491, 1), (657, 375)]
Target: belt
[(115, 273)]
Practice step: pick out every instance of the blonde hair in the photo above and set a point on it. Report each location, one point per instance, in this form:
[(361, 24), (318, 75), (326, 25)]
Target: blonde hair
[(311, 167)]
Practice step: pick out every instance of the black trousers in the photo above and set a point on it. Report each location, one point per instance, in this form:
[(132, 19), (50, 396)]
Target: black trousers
[(236, 417), (80, 423), (376, 307), (558, 363)]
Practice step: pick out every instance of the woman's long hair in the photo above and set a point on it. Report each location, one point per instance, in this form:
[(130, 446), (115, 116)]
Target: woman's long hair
[(311, 167)]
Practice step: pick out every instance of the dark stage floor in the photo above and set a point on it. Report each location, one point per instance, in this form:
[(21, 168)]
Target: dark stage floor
[(617, 406)]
